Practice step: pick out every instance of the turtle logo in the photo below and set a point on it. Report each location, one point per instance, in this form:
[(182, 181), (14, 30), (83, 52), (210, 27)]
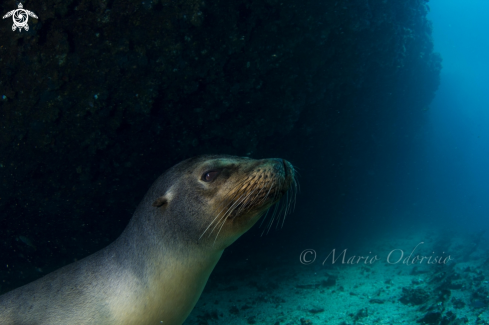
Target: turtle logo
[(20, 17)]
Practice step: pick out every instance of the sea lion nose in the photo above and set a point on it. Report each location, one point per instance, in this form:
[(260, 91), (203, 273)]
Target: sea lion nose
[(280, 166)]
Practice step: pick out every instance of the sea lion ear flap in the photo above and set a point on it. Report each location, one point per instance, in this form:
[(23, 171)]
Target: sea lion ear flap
[(164, 199), (161, 201)]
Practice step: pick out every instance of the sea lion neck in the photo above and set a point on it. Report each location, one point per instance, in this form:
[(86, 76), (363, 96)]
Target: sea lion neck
[(154, 232)]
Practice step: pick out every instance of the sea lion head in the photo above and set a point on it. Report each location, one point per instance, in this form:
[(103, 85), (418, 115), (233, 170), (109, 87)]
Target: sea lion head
[(211, 200)]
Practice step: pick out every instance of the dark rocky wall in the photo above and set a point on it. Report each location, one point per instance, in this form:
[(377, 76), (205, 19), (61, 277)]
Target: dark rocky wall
[(99, 97)]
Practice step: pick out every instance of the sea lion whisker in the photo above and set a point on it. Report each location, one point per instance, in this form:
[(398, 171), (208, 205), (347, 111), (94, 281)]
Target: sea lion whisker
[(217, 224), (296, 170), (210, 224), (256, 197), (289, 202), (264, 187), (245, 199), (245, 186), (287, 211), (224, 216), (264, 218), (296, 180), (268, 210), (236, 203), (281, 205), (275, 209), (264, 229), (282, 208), (217, 235), (287, 207), (227, 211), (259, 192), (251, 198), (293, 196), (294, 188), (224, 219), (235, 191)]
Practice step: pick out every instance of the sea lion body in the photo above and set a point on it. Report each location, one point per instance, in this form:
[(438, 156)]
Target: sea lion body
[(104, 289), (155, 272)]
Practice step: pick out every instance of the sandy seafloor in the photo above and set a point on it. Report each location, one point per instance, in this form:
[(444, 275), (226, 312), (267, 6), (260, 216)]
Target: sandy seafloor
[(381, 293)]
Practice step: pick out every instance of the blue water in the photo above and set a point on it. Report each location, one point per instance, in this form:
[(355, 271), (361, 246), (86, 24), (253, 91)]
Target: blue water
[(458, 129)]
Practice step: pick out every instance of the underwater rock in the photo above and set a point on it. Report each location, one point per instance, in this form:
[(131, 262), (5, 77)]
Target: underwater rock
[(436, 318), (458, 303), (362, 313), (99, 96), (450, 319), (316, 310), (416, 296), (305, 321), (430, 318), (480, 298), (234, 310), (330, 282), (208, 317), (454, 282)]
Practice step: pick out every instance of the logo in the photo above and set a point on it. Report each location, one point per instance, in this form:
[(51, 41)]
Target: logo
[(20, 17)]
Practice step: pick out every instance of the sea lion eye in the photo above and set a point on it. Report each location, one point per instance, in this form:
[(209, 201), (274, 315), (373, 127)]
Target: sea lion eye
[(209, 176)]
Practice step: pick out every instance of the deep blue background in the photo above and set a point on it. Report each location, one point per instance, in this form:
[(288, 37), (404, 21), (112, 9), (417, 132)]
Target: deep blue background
[(413, 168), (458, 137)]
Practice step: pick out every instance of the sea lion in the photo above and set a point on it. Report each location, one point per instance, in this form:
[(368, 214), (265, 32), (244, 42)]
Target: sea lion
[(156, 270)]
